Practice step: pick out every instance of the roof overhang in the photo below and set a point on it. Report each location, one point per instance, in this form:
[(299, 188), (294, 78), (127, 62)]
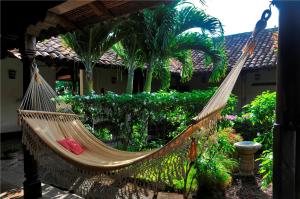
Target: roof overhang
[(48, 18)]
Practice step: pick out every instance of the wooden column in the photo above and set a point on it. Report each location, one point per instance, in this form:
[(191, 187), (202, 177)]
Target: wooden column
[(286, 142), (32, 184)]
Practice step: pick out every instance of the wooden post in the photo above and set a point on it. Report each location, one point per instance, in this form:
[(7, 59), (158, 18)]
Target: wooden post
[(286, 163), (32, 183)]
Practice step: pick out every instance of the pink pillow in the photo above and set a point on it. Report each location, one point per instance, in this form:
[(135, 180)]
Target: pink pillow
[(72, 145), (65, 144)]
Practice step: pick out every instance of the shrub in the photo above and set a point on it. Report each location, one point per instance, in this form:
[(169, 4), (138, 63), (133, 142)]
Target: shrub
[(131, 118), (257, 118), (266, 167), (214, 163), (63, 87), (102, 134)]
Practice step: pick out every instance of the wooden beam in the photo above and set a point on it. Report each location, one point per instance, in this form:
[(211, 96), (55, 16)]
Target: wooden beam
[(286, 166), (101, 8), (69, 6), (65, 23), (32, 183), (51, 20), (64, 77)]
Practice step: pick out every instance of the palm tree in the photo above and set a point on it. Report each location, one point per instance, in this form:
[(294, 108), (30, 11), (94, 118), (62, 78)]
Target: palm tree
[(165, 35), (90, 44), (128, 48)]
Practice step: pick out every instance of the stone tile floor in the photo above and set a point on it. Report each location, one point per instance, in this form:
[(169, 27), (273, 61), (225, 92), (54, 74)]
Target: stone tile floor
[(12, 176)]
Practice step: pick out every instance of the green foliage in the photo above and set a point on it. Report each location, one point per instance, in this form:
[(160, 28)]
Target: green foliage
[(266, 167), (155, 118), (102, 134), (262, 110), (213, 166), (128, 49), (257, 118), (63, 87), (266, 139), (132, 117), (256, 122), (163, 34), (139, 133), (215, 163), (91, 43)]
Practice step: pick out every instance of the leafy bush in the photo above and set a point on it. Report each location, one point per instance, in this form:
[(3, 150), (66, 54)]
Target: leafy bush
[(266, 167), (63, 87), (213, 166), (214, 163), (102, 134), (257, 118), (132, 118)]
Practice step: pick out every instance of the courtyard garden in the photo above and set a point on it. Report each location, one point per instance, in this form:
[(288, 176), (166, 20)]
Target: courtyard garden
[(147, 121), (151, 40)]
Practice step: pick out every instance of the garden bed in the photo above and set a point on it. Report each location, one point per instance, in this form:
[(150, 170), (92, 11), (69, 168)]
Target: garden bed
[(247, 188)]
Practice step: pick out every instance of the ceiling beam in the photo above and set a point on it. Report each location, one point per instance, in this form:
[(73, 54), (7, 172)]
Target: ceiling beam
[(99, 9), (69, 6), (51, 20), (64, 22)]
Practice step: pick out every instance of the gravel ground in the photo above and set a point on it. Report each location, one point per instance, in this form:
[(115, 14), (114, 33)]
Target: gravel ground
[(247, 188)]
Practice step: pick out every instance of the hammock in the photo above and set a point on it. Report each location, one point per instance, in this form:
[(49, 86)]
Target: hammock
[(101, 168)]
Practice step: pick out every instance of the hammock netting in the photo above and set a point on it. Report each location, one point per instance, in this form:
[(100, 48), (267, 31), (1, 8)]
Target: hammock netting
[(101, 169)]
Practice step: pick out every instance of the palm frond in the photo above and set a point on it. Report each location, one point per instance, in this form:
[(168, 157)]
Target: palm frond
[(191, 17), (162, 71), (213, 50), (219, 67), (92, 42), (185, 58)]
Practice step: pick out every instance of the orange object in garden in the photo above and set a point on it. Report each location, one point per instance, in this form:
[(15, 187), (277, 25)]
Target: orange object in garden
[(193, 150)]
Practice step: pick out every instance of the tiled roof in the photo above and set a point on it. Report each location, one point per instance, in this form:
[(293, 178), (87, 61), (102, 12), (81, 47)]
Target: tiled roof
[(264, 55), (54, 49)]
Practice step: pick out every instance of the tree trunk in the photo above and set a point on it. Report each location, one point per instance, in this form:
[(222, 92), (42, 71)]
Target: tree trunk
[(90, 85), (147, 87), (129, 87)]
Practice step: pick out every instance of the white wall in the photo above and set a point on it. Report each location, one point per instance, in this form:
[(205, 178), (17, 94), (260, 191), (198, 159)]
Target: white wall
[(12, 91), (11, 94)]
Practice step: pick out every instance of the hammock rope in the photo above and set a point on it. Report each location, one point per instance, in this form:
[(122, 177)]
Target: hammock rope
[(40, 96), (102, 168)]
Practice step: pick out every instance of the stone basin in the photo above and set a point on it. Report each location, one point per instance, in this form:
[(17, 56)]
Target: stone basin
[(246, 151), (247, 147)]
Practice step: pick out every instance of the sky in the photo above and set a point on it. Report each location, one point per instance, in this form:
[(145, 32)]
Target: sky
[(238, 16)]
